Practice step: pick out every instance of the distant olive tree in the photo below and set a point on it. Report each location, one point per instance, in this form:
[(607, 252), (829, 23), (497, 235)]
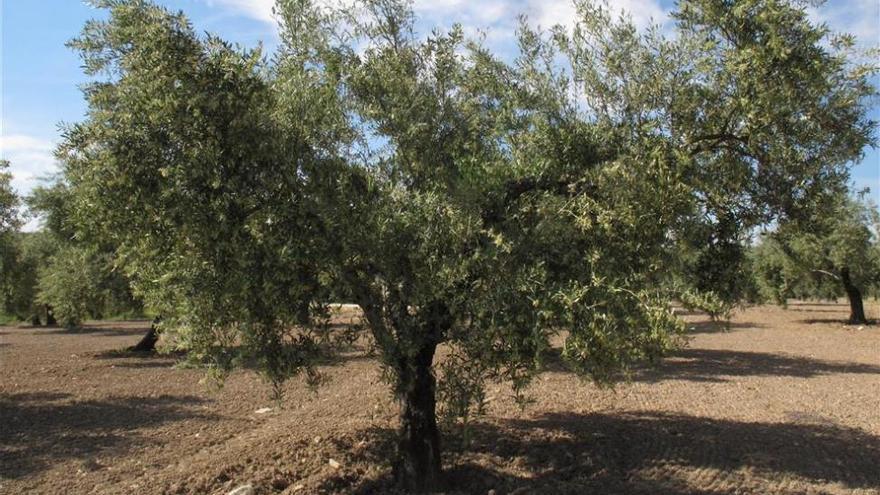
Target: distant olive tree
[(10, 219), (28, 252), (73, 277), (458, 199), (10, 222), (832, 252)]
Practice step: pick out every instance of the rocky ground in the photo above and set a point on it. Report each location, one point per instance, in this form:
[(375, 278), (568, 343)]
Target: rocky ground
[(787, 401)]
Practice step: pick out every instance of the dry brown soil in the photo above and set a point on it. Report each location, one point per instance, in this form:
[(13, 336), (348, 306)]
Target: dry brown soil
[(786, 402)]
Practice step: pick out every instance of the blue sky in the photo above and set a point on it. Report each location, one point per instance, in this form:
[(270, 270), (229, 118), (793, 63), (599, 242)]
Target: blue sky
[(40, 76)]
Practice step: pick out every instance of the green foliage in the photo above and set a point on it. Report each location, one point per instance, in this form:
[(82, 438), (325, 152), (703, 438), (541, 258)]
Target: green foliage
[(718, 309), (9, 223), (456, 198), (65, 283), (758, 112), (461, 392), (79, 283), (9, 201), (806, 259), (53, 270), (26, 253)]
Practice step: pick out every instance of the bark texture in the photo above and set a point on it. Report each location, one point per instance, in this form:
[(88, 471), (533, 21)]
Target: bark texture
[(148, 342), (417, 468), (856, 306)]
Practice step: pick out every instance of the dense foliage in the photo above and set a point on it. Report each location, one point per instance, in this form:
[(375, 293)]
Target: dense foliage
[(834, 252), (27, 253), (457, 198), (54, 275), (10, 221), (77, 275)]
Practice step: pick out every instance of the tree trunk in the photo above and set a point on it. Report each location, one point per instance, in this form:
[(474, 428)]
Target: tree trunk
[(50, 317), (148, 342), (856, 308), (417, 468), (35, 320)]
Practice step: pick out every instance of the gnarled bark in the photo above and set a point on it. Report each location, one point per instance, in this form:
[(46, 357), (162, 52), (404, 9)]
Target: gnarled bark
[(856, 306), (148, 342), (417, 467)]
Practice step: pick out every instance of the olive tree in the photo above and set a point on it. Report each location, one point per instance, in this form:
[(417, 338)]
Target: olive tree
[(21, 253), (837, 245), (10, 221), (182, 167), (9, 201), (460, 200), (763, 112), (74, 277)]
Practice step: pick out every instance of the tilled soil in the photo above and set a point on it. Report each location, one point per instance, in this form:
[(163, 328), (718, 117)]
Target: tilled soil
[(787, 401)]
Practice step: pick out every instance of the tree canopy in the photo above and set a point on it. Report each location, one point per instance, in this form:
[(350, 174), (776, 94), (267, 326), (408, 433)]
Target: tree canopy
[(10, 222), (456, 197), (834, 251)]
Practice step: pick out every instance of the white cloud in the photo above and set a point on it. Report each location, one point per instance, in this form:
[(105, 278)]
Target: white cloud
[(481, 14), (260, 10), (857, 17), (469, 13), (550, 13), (30, 159)]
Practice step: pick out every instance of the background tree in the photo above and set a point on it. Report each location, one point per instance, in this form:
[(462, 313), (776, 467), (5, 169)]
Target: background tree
[(20, 255), (832, 252), (9, 201), (27, 253), (10, 222), (69, 277), (460, 200)]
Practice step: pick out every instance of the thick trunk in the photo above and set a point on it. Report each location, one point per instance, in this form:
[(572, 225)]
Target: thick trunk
[(417, 468), (856, 307), (148, 342)]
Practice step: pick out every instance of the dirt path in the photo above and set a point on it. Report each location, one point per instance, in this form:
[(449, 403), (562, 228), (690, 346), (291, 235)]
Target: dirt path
[(787, 402)]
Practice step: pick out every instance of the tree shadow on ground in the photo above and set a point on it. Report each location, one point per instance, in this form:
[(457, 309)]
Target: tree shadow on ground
[(837, 321), (718, 366), (41, 429), (817, 303), (817, 310), (127, 358), (644, 453), (115, 331), (710, 365), (708, 326)]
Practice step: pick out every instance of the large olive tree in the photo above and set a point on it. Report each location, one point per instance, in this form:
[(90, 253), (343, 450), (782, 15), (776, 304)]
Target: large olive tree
[(459, 199), (762, 111)]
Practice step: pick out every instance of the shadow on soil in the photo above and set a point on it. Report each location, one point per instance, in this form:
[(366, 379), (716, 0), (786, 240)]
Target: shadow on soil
[(838, 321), (638, 453), (127, 358), (718, 366), (708, 326), (817, 310), (41, 429), (708, 365), (818, 303), (91, 330)]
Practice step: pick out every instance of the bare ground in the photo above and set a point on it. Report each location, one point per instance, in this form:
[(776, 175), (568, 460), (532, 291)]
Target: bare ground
[(787, 402)]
